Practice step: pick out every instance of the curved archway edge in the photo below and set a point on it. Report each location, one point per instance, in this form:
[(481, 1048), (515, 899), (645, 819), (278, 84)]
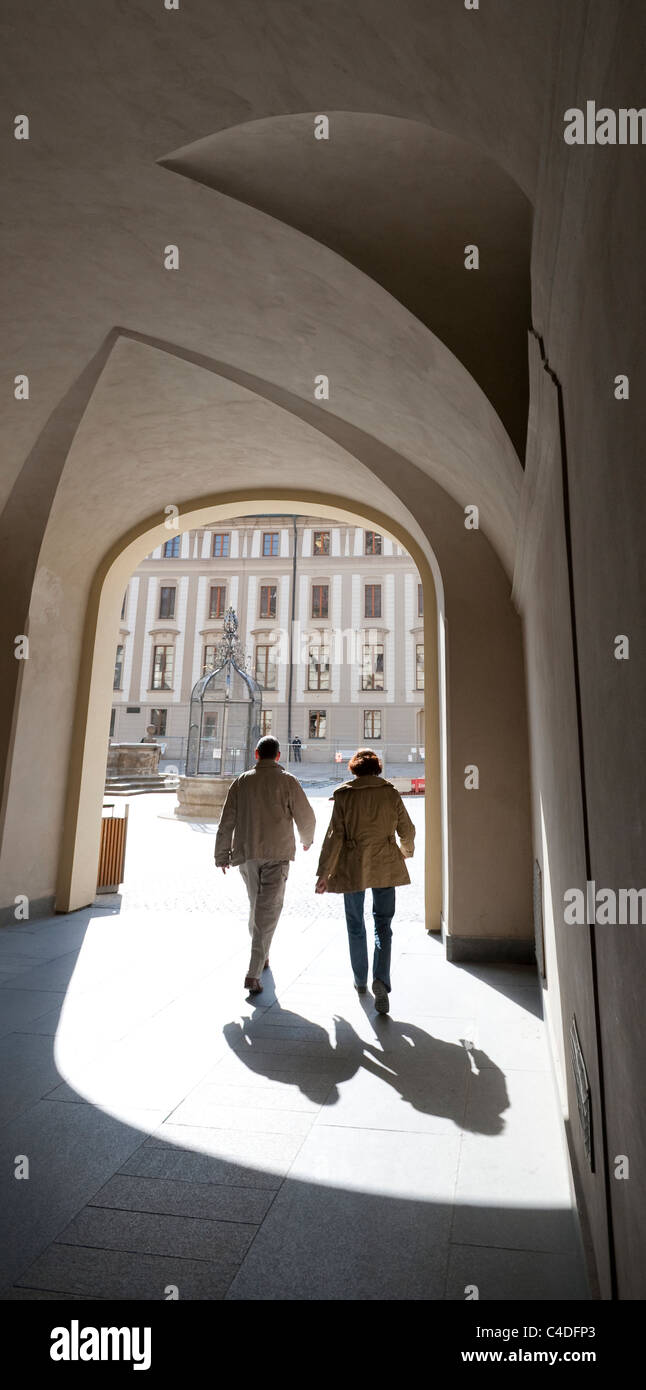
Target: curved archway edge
[(76, 883)]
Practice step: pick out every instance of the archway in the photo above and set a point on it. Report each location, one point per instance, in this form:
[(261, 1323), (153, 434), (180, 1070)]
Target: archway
[(79, 848)]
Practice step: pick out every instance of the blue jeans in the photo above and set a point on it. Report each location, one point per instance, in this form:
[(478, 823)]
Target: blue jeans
[(383, 911)]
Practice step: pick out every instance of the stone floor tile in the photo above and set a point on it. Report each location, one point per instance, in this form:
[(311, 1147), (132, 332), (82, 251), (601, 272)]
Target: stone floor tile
[(116, 1274), (174, 1197), (512, 1275)]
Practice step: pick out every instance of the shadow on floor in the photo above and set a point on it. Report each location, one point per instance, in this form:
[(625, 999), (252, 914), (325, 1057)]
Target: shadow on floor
[(428, 1073)]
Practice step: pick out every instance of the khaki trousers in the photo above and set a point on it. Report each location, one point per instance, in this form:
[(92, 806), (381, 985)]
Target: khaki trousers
[(265, 881)]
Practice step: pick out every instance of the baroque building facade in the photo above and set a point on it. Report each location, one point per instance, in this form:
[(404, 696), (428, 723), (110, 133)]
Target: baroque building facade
[(330, 622)]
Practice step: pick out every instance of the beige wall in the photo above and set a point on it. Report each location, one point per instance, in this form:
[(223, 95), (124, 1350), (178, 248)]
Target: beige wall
[(150, 388)]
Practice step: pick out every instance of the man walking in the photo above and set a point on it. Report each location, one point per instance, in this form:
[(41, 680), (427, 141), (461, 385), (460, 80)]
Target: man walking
[(297, 745), (256, 833)]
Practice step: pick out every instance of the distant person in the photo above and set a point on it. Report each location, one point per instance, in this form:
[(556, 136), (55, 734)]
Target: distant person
[(297, 746), (360, 851), (256, 833)]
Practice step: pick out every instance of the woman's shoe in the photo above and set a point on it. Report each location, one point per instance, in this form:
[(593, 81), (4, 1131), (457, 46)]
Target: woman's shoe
[(382, 1002), (252, 985)]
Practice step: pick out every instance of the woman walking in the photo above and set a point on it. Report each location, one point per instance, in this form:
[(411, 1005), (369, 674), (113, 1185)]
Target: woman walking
[(360, 851)]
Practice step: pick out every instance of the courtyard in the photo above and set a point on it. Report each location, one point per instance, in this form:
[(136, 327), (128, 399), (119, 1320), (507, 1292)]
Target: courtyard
[(185, 1142)]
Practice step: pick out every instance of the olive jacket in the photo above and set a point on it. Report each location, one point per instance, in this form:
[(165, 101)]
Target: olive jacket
[(258, 816), (360, 849)]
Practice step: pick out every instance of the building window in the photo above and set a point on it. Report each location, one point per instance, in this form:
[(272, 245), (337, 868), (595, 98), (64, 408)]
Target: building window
[(270, 543), (163, 659), (372, 723), (217, 602), (372, 674), (210, 652), (221, 544), (123, 606), (373, 601), (113, 714), (167, 603), (268, 600), (319, 668), (118, 669), (320, 600), (318, 723), (420, 600), (266, 721), (171, 548), (321, 542), (373, 543), (266, 667), (419, 666), (158, 718)]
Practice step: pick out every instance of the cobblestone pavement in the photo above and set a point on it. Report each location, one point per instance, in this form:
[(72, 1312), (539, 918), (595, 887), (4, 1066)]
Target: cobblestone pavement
[(299, 1146)]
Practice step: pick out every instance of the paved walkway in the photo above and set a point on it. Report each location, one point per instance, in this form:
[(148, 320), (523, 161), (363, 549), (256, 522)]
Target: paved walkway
[(180, 1138)]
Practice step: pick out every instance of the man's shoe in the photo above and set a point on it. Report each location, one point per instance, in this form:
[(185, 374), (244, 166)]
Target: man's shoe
[(382, 1002), (361, 989), (252, 985)]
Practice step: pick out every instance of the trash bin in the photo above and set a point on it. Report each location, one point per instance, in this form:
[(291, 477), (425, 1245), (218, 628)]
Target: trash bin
[(112, 854)]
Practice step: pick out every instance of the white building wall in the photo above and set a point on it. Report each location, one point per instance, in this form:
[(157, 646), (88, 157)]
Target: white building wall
[(410, 589), (358, 541), (207, 545), (355, 694), (284, 542), (302, 667), (129, 622), (389, 653), (283, 620), (185, 545), (234, 545), (335, 541), (174, 696), (336, 614), (255, 545), (307, 542), (252, 608), (200, 612), (146, 661)]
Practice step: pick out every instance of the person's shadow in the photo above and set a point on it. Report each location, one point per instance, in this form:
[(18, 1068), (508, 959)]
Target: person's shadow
[(433, 1076)]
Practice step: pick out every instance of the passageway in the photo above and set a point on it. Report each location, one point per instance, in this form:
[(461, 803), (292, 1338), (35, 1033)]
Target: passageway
[(182, 1137)]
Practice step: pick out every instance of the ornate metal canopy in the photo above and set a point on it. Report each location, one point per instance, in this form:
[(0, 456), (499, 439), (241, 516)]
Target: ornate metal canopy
[(226, 704)]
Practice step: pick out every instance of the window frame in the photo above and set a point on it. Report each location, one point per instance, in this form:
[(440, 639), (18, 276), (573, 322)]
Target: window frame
[(167, 589), (118, 666), (376, 650), (326, 548), (373, 715), (318, 714), (322, 669), (270, 536), (163, 647), (375, 589), (219, 589), (175, 546), (267, 588), (225, 552), (319, 588), (373, 549), (419, 647), (266, 647)]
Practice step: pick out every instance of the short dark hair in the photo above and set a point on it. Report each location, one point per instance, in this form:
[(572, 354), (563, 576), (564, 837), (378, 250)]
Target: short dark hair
[(365, 763), (267, 747)]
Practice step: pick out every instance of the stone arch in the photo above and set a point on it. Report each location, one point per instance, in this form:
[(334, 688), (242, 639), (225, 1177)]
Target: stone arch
[(79, 845)]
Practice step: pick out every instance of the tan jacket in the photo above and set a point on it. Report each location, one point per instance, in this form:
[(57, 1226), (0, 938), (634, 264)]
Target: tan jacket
[(257, 820), (360, 849)]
